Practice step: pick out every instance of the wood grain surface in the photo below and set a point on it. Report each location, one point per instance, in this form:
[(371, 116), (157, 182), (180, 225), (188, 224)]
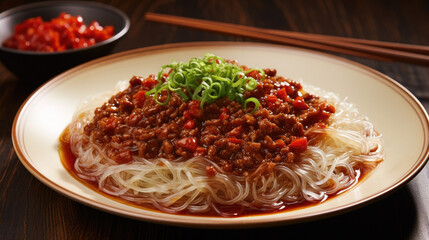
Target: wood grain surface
[(30, 210)]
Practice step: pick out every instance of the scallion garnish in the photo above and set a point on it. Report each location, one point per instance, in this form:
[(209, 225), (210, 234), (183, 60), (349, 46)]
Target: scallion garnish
[(206, 79)]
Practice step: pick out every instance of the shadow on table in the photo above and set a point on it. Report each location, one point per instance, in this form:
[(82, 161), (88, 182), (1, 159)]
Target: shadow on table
[(393, 217)]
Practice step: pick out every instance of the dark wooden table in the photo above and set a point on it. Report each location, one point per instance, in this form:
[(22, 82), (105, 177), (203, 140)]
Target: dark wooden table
[(30, 210)]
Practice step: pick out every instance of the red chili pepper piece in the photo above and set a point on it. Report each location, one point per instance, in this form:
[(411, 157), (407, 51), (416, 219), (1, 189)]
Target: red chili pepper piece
[(150, 82), (255, 74), (236, 132), (235, 140), (189, 143), (282, 94), (299, 103), (272, 101), (196, 113), (224, 116), (195, 109), (194, 104), (299, 144), (187, 115), (189, 124), (140, 98)]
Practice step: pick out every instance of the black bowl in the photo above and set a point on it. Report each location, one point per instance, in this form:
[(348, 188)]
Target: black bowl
[(39, 66)]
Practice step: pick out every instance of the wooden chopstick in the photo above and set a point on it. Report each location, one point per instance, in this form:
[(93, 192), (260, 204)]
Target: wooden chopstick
[(370, 49), (391, 45)]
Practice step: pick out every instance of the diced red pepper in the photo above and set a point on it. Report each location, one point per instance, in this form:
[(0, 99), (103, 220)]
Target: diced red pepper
[(189, 124), (272, 101), (282, 94), (224, 116), (194, 104), (255, 74), (150, 82), (271, 98), (235, 140), (196, 113), (236, 132), (189, 143), (299, 103), (298, 144), (187, 115), (195, 109), (140, 97)]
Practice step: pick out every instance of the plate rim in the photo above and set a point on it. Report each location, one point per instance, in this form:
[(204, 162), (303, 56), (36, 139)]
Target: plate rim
[(218, 222)]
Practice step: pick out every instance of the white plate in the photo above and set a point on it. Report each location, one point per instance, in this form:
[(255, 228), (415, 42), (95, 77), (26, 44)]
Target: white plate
[(393, 110)]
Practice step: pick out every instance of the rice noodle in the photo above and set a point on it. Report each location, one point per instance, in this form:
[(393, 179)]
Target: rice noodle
[(326, 167)]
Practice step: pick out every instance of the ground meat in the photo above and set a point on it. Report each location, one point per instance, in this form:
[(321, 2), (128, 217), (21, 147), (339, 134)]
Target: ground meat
[(133, 124)]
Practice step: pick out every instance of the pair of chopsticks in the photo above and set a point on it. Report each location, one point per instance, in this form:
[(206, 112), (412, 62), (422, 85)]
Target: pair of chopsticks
[(384, 51)]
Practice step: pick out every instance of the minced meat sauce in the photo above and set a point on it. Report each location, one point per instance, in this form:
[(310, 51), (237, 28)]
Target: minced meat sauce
[(133, 124)]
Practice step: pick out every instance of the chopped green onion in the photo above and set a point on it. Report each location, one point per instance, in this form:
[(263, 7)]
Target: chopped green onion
[(182, 95), (251, 84), (206, 79), (158, 92), (253, 100)]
